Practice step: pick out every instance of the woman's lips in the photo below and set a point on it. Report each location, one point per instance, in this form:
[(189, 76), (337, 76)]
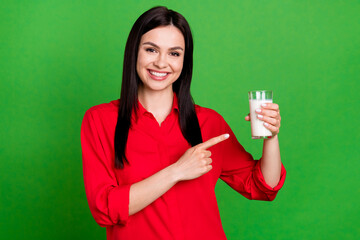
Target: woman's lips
[(158, 76)]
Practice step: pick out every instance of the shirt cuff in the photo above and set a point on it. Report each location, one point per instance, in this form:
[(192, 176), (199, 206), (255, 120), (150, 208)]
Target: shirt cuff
[(263, 186), (118, 204)]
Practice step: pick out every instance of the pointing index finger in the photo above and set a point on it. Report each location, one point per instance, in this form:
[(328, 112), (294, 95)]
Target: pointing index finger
[(213, 141)]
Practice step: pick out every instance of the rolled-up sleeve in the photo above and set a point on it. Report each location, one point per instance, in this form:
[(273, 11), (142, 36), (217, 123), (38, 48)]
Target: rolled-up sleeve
[(108, 200), (242, 173)]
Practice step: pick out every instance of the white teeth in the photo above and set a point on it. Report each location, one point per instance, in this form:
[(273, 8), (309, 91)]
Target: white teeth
[(158, 74)]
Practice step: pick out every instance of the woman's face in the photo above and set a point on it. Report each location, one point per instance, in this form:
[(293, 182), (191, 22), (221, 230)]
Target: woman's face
[(160, 58)]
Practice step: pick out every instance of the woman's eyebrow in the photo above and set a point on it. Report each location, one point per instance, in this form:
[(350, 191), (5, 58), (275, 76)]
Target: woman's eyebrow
[(156, 46), (177, 48)]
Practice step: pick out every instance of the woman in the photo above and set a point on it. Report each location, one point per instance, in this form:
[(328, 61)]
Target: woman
[(158, 181)]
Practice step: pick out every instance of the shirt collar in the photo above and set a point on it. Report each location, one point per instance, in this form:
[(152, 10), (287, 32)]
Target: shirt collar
[(142, 111)]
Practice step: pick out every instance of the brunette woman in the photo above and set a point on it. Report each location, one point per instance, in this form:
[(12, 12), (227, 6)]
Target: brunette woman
[(151, 159)]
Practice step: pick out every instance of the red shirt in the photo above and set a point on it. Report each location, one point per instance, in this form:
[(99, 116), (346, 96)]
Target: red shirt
[(189, 209)]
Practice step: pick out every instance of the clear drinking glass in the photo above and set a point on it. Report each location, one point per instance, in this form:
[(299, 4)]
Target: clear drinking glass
[(256, 98)]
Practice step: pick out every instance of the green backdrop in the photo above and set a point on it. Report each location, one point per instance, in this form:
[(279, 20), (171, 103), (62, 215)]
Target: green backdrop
[(59, 58)]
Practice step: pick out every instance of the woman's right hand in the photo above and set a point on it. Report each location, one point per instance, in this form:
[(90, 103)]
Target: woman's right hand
[(196, 161)]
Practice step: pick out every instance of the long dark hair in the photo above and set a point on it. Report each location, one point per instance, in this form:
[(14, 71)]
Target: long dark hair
[(189, 124)]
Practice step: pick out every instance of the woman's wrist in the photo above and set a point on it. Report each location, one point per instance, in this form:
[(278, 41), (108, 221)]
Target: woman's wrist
[(173, 173), (272, 139)]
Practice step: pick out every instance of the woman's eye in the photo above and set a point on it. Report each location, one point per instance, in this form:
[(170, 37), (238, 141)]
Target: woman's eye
[(175, 54), (150, 50)]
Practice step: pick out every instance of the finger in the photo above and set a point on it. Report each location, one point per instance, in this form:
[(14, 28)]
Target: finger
[(204, 153), (272, 128), (213, 141), (272, 121), (272, 106), (247, 117), (269, 113), (207, 154), (208, 161)]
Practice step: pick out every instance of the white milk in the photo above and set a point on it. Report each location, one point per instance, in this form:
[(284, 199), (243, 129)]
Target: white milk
[(258, 129)]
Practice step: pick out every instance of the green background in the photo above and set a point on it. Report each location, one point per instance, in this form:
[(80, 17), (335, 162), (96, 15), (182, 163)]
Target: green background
[(59, 58)]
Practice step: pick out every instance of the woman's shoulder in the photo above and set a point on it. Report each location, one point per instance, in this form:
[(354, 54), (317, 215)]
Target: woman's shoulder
[(105, 107), (104, 110), (210, 121), (204, 113)]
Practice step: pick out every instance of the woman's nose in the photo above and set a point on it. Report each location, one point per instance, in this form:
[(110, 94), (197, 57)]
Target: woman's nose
[(160, 61)]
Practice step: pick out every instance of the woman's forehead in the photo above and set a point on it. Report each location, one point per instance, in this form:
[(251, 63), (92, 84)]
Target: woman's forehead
[(164, 37)]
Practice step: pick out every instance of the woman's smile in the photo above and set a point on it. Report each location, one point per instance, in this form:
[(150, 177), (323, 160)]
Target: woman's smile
[(157, 75)]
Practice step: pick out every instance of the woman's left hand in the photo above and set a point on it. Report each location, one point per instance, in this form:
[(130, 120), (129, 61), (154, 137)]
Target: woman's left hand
[(270, 114)]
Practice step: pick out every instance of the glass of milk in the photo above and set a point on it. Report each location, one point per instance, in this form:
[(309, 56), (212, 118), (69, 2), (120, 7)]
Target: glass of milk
[(256, 98)]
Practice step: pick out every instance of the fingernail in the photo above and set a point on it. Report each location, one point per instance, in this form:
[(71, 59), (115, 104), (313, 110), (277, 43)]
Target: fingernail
[(266, 124), (258, 110), (264, 104), (260, 116), (226, 136)]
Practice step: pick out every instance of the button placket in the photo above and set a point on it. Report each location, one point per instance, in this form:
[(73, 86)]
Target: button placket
[(171, 195)]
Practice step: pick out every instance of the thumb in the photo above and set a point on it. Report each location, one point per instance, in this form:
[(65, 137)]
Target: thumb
[(247, 117)]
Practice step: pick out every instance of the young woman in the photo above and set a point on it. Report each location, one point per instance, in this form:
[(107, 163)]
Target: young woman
[(151, 159)]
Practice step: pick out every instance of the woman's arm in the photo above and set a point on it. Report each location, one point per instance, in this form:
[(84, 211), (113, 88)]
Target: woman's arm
[(193, 163), (143, 193), (270, 161)]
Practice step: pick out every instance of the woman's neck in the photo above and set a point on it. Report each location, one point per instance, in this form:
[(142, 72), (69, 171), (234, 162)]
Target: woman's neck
[(159, 103)]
